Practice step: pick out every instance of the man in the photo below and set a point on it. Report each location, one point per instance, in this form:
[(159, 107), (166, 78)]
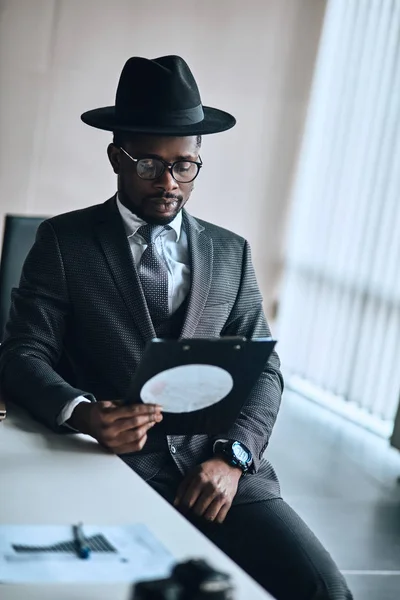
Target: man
[(100, 282)]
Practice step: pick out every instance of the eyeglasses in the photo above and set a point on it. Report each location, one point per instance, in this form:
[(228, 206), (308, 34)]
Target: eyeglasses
[(183, 171)]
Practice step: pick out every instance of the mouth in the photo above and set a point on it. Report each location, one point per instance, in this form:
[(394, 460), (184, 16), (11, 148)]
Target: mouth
[(163, 205)]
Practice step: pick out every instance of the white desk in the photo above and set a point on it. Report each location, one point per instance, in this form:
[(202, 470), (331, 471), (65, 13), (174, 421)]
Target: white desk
[(62, 479)]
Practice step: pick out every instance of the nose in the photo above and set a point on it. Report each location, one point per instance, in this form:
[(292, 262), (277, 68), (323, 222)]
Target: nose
[(166, 182)]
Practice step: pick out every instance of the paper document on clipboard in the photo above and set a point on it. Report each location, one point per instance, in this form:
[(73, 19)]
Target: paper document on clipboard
[(201, 383)]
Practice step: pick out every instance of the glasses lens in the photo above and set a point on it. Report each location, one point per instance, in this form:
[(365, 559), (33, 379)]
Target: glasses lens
[(149, 168), (184, 171)]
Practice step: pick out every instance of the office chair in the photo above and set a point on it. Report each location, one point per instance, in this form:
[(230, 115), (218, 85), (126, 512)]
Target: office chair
[(19, 235)]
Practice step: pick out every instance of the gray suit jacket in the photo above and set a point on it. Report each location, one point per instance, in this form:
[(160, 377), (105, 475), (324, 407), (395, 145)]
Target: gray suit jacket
[(79, 298)]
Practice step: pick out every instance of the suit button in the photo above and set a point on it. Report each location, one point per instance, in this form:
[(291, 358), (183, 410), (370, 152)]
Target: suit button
[(173, 449)]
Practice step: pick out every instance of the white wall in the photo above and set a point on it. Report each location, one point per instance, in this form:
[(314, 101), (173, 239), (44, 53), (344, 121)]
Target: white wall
[(59, 58)]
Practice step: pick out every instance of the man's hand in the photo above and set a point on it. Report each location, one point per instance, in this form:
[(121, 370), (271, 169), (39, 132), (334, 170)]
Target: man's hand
[(209, 489), (120, 429)]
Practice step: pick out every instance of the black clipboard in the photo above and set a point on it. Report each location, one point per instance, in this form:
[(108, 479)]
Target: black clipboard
[(243, 359)]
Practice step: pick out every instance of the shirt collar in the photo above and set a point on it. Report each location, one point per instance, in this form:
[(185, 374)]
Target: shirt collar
[(133, 222)]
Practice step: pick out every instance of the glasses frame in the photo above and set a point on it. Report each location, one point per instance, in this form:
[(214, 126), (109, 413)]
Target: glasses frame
[(167, 165)]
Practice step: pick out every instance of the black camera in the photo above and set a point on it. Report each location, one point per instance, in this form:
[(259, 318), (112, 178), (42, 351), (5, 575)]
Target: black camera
[(192, 580)]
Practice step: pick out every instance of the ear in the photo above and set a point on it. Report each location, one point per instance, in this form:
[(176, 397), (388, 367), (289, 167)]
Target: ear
[(114, 156)]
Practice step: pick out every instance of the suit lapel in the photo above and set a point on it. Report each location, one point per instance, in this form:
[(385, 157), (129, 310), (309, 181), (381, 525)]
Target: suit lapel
[(113, 240), (201, 263)]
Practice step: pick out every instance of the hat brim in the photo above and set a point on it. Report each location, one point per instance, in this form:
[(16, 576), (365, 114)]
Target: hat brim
[(214, 121)]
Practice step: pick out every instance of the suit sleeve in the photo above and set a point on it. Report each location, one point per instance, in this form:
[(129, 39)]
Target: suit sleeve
[(34, 334), (254, 425)]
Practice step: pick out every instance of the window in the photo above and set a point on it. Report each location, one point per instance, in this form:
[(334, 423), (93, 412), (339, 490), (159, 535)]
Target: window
[(339, 322)]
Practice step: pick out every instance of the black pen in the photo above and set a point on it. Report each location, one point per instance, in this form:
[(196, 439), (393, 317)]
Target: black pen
[(81, 545)]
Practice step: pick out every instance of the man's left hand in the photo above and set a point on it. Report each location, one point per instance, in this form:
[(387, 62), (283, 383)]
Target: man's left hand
[(209, 489)]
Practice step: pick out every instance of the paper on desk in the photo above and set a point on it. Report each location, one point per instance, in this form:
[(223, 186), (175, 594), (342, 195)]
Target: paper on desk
[(187, 387), (133, 554)]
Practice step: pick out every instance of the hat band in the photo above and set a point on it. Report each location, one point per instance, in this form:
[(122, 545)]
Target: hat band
[(187, 116)]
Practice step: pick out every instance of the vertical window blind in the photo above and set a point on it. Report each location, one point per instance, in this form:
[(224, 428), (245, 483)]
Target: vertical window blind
[(339, 320)]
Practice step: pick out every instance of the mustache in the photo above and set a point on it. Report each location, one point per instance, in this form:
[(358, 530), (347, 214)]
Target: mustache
[(164, 195)]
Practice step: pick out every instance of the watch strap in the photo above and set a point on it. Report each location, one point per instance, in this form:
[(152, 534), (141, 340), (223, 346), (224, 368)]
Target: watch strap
[(224, 448)]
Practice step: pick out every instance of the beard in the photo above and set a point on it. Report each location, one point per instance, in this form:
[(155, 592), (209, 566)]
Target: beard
[(151, 209)]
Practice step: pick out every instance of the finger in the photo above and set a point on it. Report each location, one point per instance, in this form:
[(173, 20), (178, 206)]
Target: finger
[(127, 424), (126, 429), (191, 494), (132, 447), (117, 403), (213, 510), (142, 408), (182, 490), (131, 436), (204, 501), (220, 518), (106, 403), (113, 413), (137, 407)]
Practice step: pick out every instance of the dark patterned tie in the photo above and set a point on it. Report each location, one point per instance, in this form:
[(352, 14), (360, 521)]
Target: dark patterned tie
[(153, 274)]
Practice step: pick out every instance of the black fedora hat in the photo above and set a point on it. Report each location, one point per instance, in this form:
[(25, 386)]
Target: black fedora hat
[(159, 96)]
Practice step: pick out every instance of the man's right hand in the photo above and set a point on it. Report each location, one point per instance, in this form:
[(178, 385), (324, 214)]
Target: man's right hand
[(120, 429)]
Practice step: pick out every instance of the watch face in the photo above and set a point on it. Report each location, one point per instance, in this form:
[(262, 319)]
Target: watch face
[(240, 453)]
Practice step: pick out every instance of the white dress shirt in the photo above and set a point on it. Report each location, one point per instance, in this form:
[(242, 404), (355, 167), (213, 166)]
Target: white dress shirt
[(172, 246)]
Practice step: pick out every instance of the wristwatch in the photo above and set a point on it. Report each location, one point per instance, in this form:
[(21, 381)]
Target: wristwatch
[(235, 454)]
